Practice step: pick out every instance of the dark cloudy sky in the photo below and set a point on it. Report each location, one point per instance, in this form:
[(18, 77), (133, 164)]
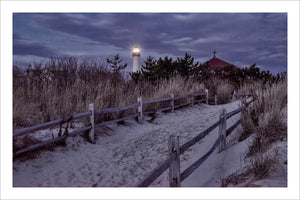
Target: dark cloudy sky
[(239, 38)]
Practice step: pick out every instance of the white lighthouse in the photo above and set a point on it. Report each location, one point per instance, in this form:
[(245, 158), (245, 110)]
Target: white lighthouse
[(136, 59)]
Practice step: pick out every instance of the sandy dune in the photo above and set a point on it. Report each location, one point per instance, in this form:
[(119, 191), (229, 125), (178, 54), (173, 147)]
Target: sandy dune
[(133, 150)]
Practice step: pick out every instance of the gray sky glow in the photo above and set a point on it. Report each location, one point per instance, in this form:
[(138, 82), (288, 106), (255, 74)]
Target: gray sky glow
[(239, 38)]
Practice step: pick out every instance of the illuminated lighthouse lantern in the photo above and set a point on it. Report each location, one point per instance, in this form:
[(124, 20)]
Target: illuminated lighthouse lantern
[(136, 59)]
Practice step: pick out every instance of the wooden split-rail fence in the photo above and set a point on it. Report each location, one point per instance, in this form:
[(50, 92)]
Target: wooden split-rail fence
[(173, 160), (185, 100)]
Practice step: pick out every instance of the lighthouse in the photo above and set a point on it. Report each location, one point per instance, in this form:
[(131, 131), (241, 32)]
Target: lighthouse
[(136, 59)]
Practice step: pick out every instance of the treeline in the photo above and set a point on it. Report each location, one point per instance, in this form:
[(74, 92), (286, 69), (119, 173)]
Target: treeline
[(153, 70)]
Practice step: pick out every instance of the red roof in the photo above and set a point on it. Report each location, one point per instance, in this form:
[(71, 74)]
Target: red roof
[(216, 62)]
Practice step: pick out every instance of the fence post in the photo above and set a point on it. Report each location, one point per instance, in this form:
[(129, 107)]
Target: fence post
[(92, 122), (234, 95), (206, 91), (140, 109), (257, 93), (216, 99), (174, 169), (172, 101), (222, 130), (191, 98)]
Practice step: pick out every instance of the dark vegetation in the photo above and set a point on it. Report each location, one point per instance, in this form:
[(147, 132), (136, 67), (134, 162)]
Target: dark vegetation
[(61, 87), (164, 68), (219, 81)]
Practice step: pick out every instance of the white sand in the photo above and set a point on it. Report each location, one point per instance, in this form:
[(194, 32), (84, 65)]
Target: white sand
[(133, 150)]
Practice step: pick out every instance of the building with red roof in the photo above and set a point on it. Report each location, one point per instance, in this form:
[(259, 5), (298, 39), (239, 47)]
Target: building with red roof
[(215, 62)]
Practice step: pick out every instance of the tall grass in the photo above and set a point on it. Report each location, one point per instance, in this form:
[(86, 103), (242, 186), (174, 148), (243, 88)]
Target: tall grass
[(62, 87), (265, 117), (258, 169), (250, 87), (264, 120), (224, 92)]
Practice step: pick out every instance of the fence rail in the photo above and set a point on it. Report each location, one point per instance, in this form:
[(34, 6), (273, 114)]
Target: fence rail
[(26, 130), (181, 105), (172, 162), (92, 113), (200, 136), (117, 120), (54, 140), (181, 97), (155, 173), (200, 94), (196, 164), (200, 101), (117, 109), (157, 101)]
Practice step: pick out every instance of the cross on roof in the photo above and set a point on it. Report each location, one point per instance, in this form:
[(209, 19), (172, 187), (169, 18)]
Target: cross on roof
[(214, 54)]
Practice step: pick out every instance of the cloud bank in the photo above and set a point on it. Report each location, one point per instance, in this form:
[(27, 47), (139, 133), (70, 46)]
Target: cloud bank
[(239, 38)]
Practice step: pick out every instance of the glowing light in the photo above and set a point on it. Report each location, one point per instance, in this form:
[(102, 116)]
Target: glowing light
[(136, 50)]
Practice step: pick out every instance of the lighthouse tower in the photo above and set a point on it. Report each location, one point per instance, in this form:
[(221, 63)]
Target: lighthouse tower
[(136, 59)]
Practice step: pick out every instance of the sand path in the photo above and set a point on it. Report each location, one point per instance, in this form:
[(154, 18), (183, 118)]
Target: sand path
[(124, 157)]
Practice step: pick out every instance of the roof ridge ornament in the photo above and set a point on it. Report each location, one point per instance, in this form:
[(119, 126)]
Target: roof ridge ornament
[(214, 54)]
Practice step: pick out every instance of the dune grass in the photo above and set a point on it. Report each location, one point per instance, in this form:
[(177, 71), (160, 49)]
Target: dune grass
[(264, 116), (250, 87), (258, 169), (62, 87), (264, 120), (224, 90)]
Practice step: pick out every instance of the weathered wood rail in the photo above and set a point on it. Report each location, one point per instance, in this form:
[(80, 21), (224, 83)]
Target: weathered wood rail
[(92, 113), (175, 177), (30, 129), (54, 140)]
